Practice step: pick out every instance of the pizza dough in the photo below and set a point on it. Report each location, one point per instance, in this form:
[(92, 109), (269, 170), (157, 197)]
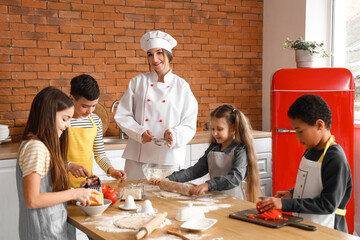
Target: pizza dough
[(135, 221), (183, 188)]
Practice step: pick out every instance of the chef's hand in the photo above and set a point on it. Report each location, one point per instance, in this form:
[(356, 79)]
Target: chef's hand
[(269, 204), (200, 189), (78, 170), (147, 136), (156, 181), (115, 173), (168, 136), (83, 195), (283, 194)]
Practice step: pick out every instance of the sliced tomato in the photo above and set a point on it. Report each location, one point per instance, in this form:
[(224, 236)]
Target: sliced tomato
[(250, 216)]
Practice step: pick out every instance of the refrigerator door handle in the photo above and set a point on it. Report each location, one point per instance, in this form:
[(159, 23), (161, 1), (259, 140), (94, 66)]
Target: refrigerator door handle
[(284, 130)]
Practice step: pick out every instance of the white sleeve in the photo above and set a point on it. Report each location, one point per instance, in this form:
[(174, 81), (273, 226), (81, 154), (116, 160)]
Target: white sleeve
[(125, 116), (185, 131)]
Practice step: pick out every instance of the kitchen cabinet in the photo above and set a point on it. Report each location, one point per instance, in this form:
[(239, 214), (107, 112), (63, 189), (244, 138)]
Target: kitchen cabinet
[(9, 202), (263, 147)]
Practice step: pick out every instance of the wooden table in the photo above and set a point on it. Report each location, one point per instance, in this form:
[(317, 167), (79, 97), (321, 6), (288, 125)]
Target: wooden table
[(225, 228)]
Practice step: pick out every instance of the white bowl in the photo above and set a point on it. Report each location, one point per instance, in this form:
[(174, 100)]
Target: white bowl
[(95, 210), (151, 170)]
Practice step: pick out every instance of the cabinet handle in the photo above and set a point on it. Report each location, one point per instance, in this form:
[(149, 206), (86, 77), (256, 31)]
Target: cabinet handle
[(284, 130)]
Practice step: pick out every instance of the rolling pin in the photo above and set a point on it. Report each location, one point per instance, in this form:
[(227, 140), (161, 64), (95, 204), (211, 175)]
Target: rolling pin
[(151, 225), (183, 188)]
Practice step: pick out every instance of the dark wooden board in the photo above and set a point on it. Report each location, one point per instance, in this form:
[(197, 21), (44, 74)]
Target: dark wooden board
[(292, 220)]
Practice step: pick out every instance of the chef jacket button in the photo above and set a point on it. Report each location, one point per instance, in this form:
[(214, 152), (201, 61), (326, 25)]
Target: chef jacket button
[(168, 86), (301, 186), (298, 196), (304, 175), (146, 120), (151, 85), (160, 120), (148, 100), (163, 101)]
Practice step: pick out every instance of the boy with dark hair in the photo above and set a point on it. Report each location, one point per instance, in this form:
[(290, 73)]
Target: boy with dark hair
[(323, 184), (85, 133)]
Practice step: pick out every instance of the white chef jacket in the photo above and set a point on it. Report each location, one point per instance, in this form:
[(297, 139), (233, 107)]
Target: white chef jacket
[(157, 106)]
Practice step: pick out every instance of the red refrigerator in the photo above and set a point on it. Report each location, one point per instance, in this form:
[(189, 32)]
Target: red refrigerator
[(336, 86)]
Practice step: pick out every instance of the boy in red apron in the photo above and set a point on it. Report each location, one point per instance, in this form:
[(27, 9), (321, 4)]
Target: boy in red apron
[(85, 133), (323, 183)]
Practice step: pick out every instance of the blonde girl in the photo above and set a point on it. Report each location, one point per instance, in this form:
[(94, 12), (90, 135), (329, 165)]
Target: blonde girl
[(230, 159)]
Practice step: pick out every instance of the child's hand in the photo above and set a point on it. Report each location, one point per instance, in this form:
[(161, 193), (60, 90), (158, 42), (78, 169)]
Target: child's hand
[(283, 194), (200, 189), (117, 174), (78, 170), (156, 181), (269, 204), (83, 195)]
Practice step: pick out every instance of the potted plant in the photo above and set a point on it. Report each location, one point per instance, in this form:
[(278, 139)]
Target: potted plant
[(305, 51)]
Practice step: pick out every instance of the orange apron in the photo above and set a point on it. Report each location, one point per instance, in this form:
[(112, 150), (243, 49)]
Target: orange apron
[(81, 142)]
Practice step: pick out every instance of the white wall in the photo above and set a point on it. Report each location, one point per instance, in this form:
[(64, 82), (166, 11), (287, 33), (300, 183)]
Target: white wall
[(308, 19)]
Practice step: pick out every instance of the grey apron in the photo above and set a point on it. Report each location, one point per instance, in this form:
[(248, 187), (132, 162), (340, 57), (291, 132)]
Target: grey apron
[(220, 163), (42, 223)]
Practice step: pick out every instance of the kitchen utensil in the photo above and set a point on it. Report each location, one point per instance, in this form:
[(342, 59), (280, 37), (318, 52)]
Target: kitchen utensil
[(199, 224), (151, 225), (177, 232), (151, 170), (183, 188), (147, 208), (160, 141), (292, 220), (94, 210), (101, 111), (129, 204), (97, 187), (189, 212)]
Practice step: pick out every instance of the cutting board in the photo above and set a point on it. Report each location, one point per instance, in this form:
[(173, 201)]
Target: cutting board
[(101, 111), (292, 220)]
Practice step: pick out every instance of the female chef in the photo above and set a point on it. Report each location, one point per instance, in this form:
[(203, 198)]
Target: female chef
[(158, 104)]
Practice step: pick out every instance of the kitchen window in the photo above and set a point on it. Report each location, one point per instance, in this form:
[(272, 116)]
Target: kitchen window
[(346, 42)]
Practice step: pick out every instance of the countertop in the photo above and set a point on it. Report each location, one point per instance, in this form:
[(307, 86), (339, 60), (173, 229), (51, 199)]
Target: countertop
[(9, 150), (219, 208)]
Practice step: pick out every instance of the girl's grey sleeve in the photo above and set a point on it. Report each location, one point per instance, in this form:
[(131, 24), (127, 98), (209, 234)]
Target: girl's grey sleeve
[(198, 170), (236, 174)]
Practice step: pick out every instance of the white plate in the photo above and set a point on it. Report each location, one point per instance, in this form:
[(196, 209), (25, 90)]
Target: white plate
[(128, 209), (154, 209), (199, 224)]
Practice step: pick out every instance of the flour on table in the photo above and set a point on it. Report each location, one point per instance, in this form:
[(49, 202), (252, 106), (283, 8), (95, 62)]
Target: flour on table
[(126, 222), (207, 204), (189, 236)]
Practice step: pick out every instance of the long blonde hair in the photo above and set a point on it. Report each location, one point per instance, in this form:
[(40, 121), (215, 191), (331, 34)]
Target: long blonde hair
[(236, 119)]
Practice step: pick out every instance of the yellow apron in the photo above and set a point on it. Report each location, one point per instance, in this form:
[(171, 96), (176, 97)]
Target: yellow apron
[(81, 142)]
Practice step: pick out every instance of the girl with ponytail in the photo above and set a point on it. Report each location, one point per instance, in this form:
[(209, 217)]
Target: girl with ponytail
[(230, 159)]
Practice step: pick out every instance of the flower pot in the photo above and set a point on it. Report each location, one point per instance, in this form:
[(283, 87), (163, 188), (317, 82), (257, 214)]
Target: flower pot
[(303, 59)]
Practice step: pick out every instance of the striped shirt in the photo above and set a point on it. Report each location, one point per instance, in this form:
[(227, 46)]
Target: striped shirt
[(34, 156), (98, 148)]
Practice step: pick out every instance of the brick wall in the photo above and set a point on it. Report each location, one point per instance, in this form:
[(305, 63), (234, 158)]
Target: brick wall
[(46, 43)]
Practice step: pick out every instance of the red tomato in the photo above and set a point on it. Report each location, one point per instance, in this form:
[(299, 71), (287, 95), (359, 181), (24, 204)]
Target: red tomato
[(258, 206), (111, 196), (251, 216), (104, 188)]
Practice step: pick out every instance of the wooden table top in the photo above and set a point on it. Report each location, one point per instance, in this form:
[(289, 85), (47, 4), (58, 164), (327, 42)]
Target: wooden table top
[(225, 228)]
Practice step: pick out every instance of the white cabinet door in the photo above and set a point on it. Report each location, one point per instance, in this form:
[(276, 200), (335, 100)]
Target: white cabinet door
[(9, 202)]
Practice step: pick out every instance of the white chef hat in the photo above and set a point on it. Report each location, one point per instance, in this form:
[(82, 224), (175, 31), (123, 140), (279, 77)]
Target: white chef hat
[(157, 39)]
